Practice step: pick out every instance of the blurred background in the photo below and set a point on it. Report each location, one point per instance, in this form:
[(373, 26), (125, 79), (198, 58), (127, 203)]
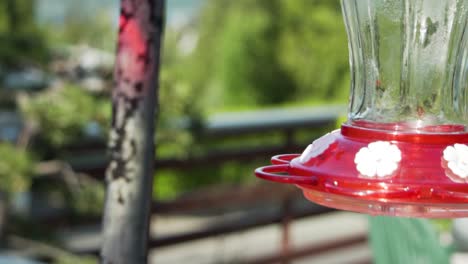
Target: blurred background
[(240, 81)]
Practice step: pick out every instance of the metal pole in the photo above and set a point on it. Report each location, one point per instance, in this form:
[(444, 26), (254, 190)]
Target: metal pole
[(130, 172), (285, 226)]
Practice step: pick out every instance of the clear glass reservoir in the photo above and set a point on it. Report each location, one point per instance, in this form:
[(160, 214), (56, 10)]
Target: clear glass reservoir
[(409, 64)]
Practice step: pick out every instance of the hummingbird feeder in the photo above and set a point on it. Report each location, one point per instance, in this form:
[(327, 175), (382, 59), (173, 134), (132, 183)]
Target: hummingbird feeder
[(403, 150)]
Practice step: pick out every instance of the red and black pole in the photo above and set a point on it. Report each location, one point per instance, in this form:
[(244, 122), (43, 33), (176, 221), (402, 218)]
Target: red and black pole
[(129, 175)]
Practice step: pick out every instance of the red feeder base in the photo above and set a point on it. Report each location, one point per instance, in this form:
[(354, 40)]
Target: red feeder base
[(377, 172)]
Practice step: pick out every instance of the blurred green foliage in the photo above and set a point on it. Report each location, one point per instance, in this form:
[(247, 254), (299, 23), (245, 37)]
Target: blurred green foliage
[(21, 41), (178, 101), (88, 199), (170, 184), (93, 29), (72, 259), (313, 48), (247, 54), (66, 258), (16, 169), (64, 114), (268, 52), (248, 66)]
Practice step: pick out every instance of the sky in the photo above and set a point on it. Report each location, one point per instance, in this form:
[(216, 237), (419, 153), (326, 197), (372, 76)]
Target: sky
[(54, 11)]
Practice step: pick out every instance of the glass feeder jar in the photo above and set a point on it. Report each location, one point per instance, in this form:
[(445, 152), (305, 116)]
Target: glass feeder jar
[(403, 150)]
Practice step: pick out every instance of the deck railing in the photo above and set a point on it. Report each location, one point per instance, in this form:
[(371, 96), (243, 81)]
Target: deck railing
[(285, 198)]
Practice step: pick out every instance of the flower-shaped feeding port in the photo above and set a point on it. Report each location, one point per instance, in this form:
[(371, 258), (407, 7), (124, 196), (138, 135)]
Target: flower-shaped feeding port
[(317, 147), (455, 159), (378, 159)]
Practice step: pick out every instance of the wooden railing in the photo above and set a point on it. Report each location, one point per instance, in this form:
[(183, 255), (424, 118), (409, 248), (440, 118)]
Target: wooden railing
[(288, 121)]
